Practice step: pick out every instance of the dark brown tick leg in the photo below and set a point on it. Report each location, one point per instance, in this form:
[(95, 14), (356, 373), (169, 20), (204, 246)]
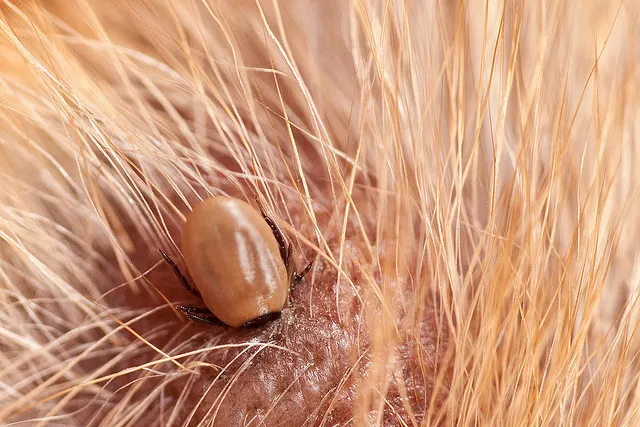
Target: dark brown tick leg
[(199, 314), (193, 309), (285, 251), (261, 320), (297, 277), (178, 273)]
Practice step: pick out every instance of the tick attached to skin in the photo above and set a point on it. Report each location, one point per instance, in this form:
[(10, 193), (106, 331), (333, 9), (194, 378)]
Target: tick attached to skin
[(239, 261)]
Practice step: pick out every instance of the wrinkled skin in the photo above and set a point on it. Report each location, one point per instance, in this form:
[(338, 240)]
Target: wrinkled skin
[(311, 379)]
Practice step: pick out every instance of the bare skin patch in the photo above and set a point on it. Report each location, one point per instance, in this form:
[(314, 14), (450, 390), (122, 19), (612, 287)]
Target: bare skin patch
[(302, 368)]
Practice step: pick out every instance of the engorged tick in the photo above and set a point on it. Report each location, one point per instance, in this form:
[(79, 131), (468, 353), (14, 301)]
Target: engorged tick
[(239, 261)]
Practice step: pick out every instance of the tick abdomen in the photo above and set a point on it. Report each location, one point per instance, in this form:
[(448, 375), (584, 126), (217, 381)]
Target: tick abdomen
[(234, 260)]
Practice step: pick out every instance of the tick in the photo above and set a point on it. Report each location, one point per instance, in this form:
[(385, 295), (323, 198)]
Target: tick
[(240, 263)]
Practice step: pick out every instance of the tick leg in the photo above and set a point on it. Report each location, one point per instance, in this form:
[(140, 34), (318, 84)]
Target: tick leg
[(207, 320), (297, 277), (288, 260), (199, 314), (261, 320), (183, 280), (285, 249), (193, 309)]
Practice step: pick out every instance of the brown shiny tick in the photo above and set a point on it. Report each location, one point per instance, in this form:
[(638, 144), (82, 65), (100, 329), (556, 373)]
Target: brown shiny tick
[(239, 261)]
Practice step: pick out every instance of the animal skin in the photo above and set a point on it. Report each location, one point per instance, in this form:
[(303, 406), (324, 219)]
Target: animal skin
[(462, 174)]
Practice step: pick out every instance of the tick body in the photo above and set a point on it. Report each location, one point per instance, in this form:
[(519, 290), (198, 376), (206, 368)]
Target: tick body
[(239, 261)]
